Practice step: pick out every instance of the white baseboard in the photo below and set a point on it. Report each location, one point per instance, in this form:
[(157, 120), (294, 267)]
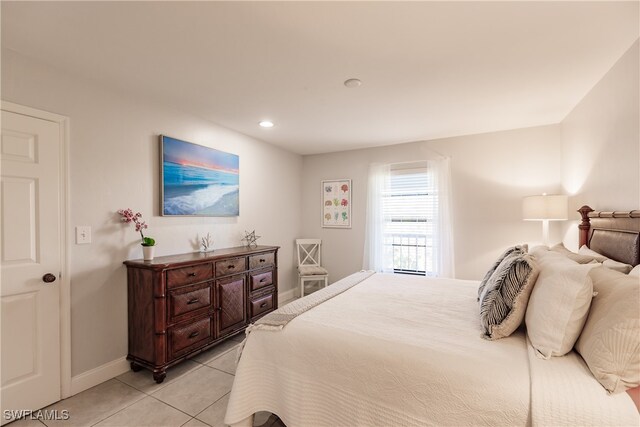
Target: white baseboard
[(98, 375), (286, 296)]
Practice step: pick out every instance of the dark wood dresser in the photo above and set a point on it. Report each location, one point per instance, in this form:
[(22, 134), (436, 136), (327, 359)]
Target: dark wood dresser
[(181, 305)]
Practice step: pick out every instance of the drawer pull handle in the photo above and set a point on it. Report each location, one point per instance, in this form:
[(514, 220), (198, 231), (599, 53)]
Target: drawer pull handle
[(193, 301), (194, 334), (262, 260), (263, 305), (192, 274), (231, 266), (263, 279)]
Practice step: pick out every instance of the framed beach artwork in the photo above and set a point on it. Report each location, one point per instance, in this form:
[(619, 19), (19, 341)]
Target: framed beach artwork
[(198, 180), (336, 203)]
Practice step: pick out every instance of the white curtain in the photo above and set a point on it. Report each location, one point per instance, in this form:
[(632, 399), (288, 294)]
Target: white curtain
[(375, 256), (374, 253), (444, 262)]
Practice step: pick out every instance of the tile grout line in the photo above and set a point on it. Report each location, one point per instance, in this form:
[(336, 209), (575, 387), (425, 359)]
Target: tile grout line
[(189, 420), (220, 370), (171, 406), (165, 384), (124, 407), (133, 387), (146, 395), (222, 397), (221, 354)]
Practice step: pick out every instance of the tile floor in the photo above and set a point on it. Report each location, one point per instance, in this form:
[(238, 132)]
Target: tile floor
[(195, 393)]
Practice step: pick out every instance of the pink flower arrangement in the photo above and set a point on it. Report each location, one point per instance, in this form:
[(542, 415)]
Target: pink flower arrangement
[(344, 202), (128, 216)]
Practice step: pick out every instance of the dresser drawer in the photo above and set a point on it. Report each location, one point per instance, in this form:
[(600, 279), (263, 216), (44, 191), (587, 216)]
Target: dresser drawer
[(263, 260), (184, 338), (261, 305), (187, 275), (189, 299), (231, 266), (261, 280)]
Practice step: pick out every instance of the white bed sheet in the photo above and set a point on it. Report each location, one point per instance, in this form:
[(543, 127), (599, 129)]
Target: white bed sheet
[(393, 350)]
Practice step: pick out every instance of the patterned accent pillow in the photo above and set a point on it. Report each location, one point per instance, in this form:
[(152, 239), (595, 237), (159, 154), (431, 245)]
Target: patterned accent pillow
[(503, 303), (518, 248)]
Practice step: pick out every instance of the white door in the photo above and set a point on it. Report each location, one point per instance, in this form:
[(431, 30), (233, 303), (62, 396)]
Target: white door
[(31, 262)]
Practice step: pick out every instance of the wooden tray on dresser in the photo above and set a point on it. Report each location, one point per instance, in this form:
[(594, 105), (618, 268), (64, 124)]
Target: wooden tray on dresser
[(181, 305)]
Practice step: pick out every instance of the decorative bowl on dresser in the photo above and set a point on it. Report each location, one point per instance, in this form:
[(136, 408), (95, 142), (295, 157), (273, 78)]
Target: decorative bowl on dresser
[(181, 305)]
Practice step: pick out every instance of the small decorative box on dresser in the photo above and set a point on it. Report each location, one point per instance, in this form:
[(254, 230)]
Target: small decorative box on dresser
[(183, 304)]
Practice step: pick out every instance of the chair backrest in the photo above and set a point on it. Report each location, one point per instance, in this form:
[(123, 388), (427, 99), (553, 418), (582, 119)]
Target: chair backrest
[(309, 251)]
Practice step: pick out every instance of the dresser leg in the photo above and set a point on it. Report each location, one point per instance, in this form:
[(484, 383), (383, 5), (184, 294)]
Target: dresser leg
[(159, 376), (135, 367)]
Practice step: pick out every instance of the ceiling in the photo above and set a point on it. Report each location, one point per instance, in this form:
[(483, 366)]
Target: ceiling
[(429, 69)]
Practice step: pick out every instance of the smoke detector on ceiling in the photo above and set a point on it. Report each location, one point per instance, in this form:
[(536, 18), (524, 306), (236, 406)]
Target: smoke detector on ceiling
[(352, 83)]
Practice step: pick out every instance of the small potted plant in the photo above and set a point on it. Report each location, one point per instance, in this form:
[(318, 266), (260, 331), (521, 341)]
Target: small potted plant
[(148, 243)]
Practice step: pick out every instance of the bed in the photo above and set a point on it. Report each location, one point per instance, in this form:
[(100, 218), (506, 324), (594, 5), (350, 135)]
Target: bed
[(378, 349)]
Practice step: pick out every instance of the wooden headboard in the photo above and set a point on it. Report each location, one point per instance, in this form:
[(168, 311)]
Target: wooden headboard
[(615, 235)]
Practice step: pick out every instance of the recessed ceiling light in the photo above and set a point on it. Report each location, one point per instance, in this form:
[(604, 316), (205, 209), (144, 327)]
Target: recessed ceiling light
[(266, 124), (352, 83)]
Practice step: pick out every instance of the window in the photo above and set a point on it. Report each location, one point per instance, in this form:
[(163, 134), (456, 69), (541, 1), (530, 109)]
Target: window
[(409, 207), (409, 227)]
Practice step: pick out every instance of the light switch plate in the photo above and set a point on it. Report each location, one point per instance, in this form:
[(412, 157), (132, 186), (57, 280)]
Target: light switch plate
[(83, 234)]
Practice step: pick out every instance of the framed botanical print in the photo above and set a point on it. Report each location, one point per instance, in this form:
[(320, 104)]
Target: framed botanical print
[(336, 203)]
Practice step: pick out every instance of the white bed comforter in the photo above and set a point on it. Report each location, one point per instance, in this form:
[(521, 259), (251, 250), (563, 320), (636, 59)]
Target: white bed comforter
[(565, 393), (403, 351), (407, 354)]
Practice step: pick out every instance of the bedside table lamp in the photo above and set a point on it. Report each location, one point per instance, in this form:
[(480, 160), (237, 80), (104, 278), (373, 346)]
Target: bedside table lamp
[(545, 208)]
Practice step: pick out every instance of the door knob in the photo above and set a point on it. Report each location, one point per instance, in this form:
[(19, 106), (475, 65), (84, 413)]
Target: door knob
[(49, 278)]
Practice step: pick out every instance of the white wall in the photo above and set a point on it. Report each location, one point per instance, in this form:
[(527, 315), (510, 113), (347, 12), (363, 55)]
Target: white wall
[(491, 173), (601, 144), (114, 160)]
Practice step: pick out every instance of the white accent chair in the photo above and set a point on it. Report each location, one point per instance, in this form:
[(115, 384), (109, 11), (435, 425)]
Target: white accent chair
[(310, 263)]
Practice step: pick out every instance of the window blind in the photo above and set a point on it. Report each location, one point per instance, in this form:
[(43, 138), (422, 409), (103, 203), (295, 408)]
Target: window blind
[(410, 206)]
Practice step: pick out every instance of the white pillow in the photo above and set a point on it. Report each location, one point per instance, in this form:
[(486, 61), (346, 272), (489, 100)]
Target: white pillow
[(558, 306), (610, 340), (635, 271), (541, 253), (539, 250), (617, 266), (584, 250), (579, 258), (606, 262)]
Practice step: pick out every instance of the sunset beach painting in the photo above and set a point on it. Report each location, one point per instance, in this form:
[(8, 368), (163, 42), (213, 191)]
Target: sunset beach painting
[(198, 180)]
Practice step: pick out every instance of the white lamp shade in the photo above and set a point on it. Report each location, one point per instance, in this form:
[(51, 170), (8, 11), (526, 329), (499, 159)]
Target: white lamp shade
[(550, 207)]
